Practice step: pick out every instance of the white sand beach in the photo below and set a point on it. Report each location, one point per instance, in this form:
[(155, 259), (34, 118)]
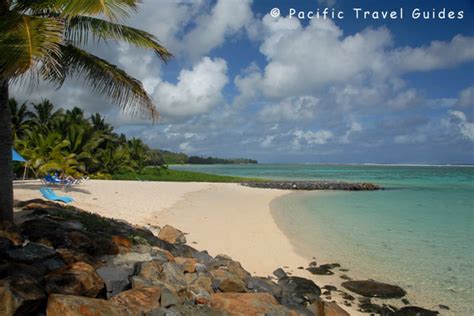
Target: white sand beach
[(218, 217)]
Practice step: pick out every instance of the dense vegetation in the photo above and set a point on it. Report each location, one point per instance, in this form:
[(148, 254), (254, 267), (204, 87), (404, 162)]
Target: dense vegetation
[(172, 158), (72, 144), (162, 174), (68, 142)]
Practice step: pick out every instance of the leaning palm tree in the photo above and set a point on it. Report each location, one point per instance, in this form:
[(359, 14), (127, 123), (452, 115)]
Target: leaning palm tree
[(45, 40)]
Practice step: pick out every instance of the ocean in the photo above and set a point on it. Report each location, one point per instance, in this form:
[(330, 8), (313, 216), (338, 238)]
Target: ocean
[(417, 233)]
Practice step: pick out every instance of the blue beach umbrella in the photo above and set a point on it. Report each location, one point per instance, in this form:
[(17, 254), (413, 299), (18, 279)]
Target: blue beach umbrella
[(17, 156)]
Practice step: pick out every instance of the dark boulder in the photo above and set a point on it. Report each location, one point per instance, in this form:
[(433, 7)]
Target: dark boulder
[(415, 311), (370, 288)]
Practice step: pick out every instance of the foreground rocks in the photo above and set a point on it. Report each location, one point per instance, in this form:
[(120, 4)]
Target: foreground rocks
[(312, 185), (70, 262)]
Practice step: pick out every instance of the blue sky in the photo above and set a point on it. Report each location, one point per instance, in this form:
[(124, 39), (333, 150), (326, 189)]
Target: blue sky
[(281, 89)]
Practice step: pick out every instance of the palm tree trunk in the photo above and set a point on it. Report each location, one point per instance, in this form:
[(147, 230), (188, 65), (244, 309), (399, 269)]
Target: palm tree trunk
[(6, 142)]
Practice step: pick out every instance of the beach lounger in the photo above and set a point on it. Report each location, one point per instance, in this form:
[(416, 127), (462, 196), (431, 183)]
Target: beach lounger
[(52, 196), (51, 180)]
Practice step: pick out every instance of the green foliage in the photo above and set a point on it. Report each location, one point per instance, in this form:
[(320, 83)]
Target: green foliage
[(44, 39), (163, 174), (72, 144)]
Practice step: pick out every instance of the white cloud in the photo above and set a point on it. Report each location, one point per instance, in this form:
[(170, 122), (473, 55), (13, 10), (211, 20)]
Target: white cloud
[(355, 128), (225, 19), (459, 120), (466, 97), (410, 139), (197, 90), (312, 138), (304, 59), (291, 109)]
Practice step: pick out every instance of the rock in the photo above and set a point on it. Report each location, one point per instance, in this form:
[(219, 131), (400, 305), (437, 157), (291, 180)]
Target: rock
[(70, 305), (150, 270), (78, 278), (49, 231), (232, 283), (173, 273), (141, 300), (279, 273), (124, 244), (169, 297), (5, 244), (188, 264), (202, 282), (161, 255), (405, 301), (172, 235), (70, 256), (20, 295), (443, 307), (322, 308), (31, 253), (200, 268), (128, 261), (50, 264), (82, 243), (203, 257), (116, 280), (13, 269), (297, 292), (415, 311), (312, 185), (313, 264), (11, 232), (330, 287), (370, 288), (264, 285), (320, 271), (248, 304)]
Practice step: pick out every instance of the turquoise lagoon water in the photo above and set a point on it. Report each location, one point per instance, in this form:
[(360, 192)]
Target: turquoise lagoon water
[(418, 233)]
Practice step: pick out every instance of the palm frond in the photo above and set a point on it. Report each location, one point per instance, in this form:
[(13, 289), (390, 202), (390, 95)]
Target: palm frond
[(82, 28), (105, 79), (26, 41), (111, 9)]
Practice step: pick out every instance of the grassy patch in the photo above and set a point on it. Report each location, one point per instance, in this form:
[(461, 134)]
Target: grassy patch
[(155, 174)]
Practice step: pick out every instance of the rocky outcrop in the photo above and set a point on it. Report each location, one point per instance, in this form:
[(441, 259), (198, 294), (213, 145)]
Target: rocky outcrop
[(369, 288), (312, 185), (91, 265)]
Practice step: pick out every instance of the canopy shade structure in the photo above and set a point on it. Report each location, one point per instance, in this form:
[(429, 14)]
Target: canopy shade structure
[(17, 156)]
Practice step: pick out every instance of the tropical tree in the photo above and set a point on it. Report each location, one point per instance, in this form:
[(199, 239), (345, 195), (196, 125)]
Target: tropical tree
[(21, 117), (45, 39)]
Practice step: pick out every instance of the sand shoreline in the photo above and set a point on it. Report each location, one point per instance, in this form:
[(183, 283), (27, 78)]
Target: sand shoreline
[(218, 217)]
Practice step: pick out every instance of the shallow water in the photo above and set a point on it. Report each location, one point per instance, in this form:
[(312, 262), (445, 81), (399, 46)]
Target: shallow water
[(418, 233)]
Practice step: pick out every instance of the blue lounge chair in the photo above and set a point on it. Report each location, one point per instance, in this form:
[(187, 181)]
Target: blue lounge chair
[(50, 195), (51, 180)]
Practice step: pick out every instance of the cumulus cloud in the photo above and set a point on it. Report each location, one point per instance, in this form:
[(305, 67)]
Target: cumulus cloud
[(304, 59), (291, 109), (312, 138), (466, 97), (225, 19), (197, 91), (459, 121)]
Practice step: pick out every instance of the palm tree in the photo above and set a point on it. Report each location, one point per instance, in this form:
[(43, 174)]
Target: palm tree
[(21, 117), (44, 39), (44, 116)]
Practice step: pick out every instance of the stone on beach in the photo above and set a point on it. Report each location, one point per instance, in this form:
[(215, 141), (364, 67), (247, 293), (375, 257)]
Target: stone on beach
[(78, 278), (20, 295), (249, 304), (71, 305), (141, 300), (172, 235), (369, 288)]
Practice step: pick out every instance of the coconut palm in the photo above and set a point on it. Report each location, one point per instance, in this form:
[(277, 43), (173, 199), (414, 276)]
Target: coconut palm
[(21, 117), (45, 39)]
